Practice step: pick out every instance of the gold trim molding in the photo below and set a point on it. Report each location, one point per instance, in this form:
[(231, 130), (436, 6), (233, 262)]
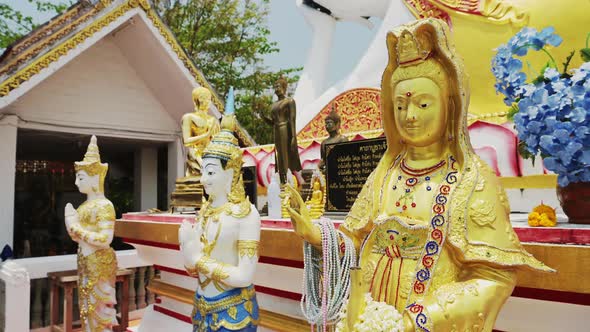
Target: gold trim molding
[(41, 33), (545, 181), (570, 261), (179, 294), (59, 51), (279, 322)]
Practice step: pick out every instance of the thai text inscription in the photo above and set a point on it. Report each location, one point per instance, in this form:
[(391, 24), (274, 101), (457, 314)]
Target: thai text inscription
[(348, 165)]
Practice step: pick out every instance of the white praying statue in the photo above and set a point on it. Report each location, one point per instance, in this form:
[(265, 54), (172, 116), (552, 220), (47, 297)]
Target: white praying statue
[(92, 227), (221, 248)]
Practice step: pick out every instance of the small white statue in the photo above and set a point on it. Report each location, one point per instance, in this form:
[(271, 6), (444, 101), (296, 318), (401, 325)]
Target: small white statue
[(92, 226), (274, 199), (221, 248)]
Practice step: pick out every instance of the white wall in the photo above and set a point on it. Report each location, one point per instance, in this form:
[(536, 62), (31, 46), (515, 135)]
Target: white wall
[(98, 89)]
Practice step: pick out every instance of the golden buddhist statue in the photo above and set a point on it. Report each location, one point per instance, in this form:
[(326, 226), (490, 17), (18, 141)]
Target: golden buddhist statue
[(431, 225), (316, 201), (198, 128)]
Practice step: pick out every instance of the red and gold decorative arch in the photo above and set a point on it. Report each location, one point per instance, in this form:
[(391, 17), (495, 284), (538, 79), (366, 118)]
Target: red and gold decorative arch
[(359, 110)]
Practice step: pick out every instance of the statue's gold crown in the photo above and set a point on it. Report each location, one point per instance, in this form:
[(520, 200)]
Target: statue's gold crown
[(224, 145), (91, 163), (410, 51)]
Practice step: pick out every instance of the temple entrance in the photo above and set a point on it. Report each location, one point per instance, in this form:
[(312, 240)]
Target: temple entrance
[(45, 178)]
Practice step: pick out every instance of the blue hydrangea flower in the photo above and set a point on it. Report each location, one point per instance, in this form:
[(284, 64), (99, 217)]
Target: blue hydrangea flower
[(553, 117)]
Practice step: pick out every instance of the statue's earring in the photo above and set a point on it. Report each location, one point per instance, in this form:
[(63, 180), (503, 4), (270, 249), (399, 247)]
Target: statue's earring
[(94, 189)]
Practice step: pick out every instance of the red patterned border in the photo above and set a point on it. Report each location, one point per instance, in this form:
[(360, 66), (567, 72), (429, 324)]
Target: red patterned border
[(523, 292), (262, 289), (554, 235), (172, 270), (152, 243), (281, 262), (278, 292), (173, 314)]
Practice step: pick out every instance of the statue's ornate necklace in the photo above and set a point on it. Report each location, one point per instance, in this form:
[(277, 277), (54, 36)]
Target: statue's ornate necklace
[(408, 178), (207, 214)]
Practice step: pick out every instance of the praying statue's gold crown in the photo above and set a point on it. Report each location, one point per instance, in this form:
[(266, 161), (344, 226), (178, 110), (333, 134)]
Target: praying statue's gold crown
[(224, 145), (91, 163)]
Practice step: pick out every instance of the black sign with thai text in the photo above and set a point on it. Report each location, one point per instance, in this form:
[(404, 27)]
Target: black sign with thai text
[(348, 166)]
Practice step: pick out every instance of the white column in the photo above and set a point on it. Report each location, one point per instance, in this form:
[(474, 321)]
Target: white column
[(18, 294), (8, 130), (175, 165), (146, 178)]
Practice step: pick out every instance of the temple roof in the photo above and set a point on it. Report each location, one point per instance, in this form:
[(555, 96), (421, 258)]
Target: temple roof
[(35, 56)]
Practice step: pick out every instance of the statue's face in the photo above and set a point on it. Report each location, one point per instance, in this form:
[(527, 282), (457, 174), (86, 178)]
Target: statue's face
[(216, 181), (86, 184), (279, 88), (330, 125), (420, 111), (316, 185), (201, 102), (201, 98)]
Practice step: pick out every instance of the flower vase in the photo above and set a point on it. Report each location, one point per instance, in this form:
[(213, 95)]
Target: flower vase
[(575, 201)]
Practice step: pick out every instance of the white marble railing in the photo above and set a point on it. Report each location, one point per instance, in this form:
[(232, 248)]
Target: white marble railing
[(28, 276)]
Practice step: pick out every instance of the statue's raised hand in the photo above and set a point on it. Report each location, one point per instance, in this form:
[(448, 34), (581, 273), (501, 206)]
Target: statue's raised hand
[(71, 219), (183, 232), (300, 218), (71, 216), (189, 238), (199, 122)]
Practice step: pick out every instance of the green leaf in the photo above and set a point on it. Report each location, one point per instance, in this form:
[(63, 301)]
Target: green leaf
[(524, 153), (585, 54), (512, 111), (567, 61), (14, 24)]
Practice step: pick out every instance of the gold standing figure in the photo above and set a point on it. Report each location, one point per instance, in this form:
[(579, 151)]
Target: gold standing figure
[(92, 226), (285, 135), (198, 128), (432, 218)]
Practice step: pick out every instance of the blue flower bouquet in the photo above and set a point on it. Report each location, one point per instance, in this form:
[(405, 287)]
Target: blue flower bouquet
[(551, 112)]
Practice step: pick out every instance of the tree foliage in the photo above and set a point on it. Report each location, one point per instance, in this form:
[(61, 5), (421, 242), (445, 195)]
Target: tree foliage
[(227, 40), (14, 24)]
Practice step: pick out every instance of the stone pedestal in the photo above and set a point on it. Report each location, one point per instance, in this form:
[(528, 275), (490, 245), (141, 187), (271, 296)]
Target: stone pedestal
[(188, 194)]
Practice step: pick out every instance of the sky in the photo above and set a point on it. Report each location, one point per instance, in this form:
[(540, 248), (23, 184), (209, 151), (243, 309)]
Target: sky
[(293, 35), (291, 32)]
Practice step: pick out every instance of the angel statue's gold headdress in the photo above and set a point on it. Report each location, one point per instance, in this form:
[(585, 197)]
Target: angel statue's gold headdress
[(92, 165), (224, 146)]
